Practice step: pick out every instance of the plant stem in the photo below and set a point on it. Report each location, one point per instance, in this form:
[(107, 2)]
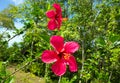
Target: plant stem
[(59, 79), (83, 58), (46, 73), (110, 75)]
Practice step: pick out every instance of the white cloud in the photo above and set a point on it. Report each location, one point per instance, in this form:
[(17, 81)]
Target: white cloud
[(18, 38), (17, 2)]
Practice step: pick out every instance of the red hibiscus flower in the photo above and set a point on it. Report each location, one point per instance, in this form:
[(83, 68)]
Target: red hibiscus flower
[(55, 17), (62, 55)]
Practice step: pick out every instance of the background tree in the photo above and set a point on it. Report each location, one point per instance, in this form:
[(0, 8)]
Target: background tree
[(93, 24)]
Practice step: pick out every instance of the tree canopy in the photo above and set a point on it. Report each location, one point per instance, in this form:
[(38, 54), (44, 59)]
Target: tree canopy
[(94, 24)]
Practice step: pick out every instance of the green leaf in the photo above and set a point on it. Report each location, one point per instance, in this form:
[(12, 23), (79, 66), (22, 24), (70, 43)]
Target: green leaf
[(45, 37), (101, 41), (113, 38)]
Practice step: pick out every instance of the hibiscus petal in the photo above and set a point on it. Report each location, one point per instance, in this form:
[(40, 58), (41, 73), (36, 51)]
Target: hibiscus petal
[(49, 56), (57, 43), (71, 47), (59, 68), (52, 24), (59, 22), (72, 64), (51, 14), (57, 7)]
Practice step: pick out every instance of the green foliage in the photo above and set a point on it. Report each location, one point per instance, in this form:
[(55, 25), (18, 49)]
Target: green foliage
[(4, 75), (6, 20), (93, 24)]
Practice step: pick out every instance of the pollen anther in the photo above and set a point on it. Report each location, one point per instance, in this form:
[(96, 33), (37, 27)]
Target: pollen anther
[(66, 56)]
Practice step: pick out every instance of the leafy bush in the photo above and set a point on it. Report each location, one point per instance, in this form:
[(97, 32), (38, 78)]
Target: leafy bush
[(4, 75)]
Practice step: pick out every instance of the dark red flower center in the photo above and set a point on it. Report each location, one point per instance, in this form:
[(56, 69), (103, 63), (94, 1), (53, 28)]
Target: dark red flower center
[(64, 55), (57, 17)]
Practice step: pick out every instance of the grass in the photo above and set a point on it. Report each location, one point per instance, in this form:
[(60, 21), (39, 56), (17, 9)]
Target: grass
[(23, 77)]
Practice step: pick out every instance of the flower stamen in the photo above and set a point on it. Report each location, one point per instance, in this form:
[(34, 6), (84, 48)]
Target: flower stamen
[(66, 56)]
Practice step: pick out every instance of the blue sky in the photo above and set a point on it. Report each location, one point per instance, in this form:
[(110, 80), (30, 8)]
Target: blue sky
[(4, 4)]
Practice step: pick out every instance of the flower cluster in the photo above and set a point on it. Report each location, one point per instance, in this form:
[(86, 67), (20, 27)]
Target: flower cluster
[(62, 54), (55, 17)]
